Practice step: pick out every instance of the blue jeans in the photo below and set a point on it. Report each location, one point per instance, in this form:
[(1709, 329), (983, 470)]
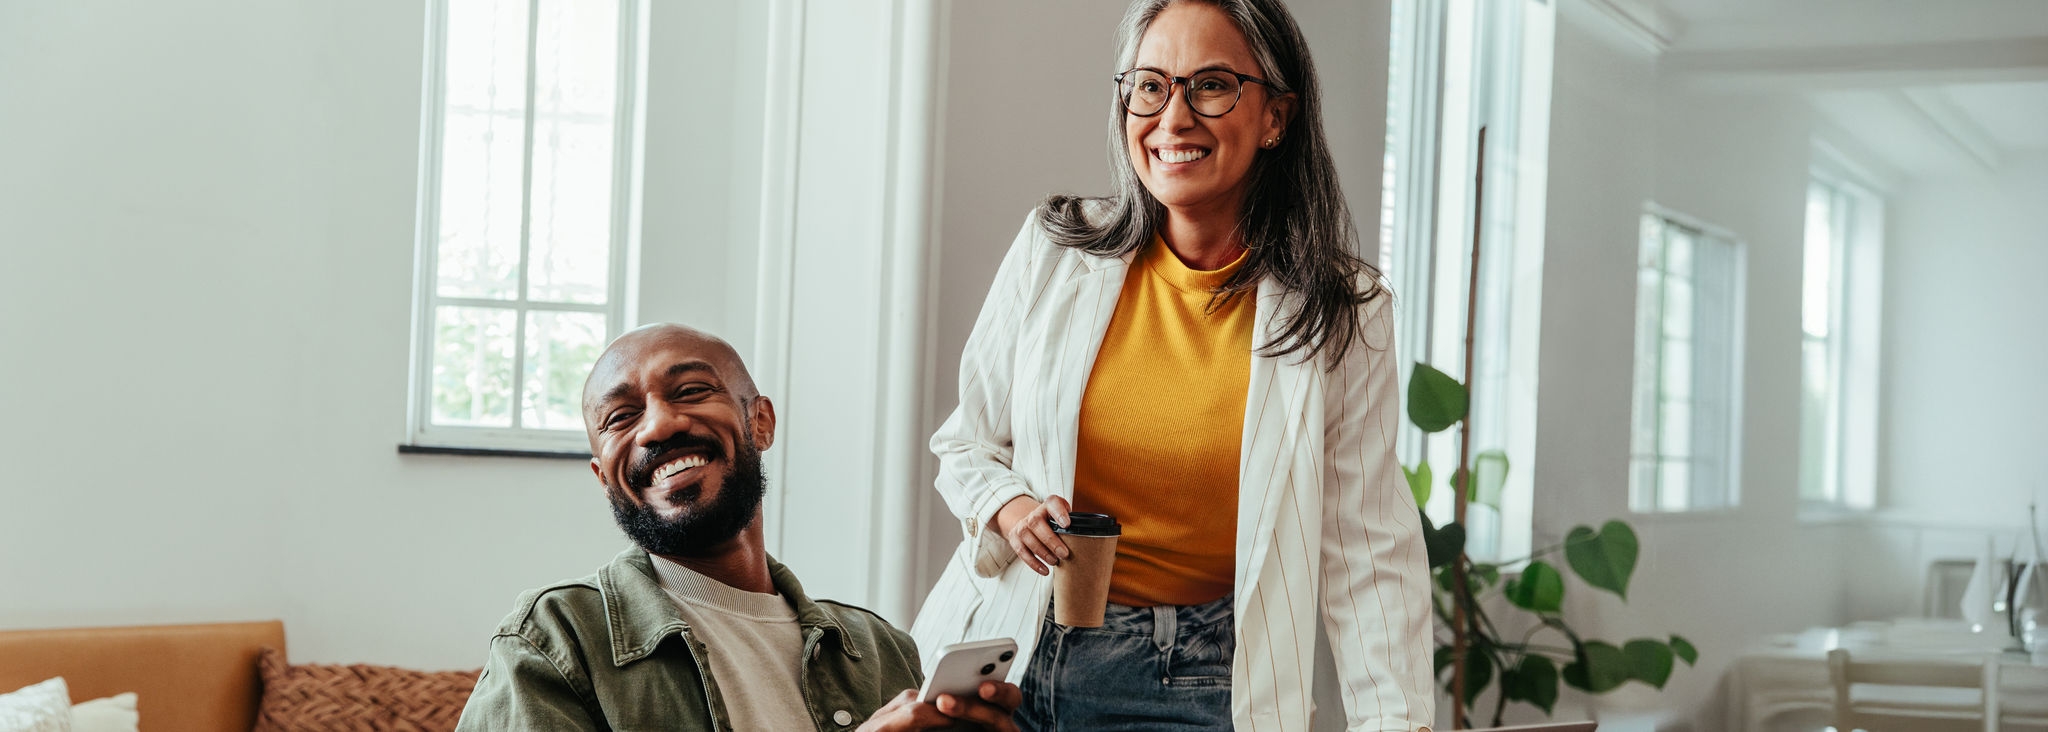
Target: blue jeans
[(1146, 668)]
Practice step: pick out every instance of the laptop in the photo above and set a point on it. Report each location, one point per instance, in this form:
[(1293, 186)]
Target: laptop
[(1549, 727)]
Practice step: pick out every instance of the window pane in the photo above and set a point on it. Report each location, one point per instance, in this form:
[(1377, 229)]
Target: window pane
[(473, 366), (1678, 301), (1642, 481), (560, 349), (1674, 485), (1649, 344), (1674, 429), (1813, 420), (482, 148), (575, 93), (1819, 262), (1678, 255), (1676, 381)]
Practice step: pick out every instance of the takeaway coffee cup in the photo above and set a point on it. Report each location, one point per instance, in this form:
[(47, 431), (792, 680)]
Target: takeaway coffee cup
[(1080, 584)]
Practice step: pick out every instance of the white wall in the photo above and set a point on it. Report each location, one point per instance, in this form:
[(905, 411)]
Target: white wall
[(1958, 458), (1963, 385), (206, 218), (1622, 135)]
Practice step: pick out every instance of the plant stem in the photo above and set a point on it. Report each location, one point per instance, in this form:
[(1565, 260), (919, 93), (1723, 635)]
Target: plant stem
[(1464, 494)]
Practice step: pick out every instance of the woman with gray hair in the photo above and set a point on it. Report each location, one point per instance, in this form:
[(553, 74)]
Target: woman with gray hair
[(1202, 356)]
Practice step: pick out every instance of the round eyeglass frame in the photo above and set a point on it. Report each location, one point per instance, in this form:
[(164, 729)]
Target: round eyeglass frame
[(1124, 98)]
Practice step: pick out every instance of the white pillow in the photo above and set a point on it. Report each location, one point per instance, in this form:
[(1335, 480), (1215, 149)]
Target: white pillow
[(110, 714), (44, 707)]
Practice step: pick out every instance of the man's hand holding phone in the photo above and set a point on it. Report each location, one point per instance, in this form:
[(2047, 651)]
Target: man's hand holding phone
[(997, 701)]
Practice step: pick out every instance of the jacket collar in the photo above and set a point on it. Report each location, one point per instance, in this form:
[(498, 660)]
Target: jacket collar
[(640, 616)]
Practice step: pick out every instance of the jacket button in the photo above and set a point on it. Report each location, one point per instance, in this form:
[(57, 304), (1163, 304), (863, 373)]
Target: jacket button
[(843, 717)]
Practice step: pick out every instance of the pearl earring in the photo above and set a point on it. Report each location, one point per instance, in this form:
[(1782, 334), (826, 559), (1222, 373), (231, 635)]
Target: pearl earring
[(1273, 141)]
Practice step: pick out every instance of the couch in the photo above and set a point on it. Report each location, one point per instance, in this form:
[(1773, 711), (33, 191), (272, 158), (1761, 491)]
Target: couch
[(230, 676)]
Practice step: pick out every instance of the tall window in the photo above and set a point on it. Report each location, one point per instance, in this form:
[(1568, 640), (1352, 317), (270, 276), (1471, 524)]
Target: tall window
[(1838, 326), (1456, 66), (1688, 364), (525, 205)]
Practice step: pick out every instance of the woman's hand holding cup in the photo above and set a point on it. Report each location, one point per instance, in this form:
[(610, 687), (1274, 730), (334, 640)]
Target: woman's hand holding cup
[(1022, 522)]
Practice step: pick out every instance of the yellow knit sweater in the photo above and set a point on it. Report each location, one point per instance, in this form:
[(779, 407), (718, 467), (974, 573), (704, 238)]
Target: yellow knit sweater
[(1161, 425)]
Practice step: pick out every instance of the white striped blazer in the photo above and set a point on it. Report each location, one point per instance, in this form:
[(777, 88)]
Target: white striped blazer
[(1323, 511)]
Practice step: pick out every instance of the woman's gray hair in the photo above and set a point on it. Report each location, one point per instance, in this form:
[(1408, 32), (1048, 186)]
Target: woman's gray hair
[(1294, 222)]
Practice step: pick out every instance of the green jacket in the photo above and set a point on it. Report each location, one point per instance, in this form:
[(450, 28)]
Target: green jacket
[(610, 652)]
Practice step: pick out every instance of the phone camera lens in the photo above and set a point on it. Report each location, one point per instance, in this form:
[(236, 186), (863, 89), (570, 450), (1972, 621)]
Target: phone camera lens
[(1007, 655), (988, 669)]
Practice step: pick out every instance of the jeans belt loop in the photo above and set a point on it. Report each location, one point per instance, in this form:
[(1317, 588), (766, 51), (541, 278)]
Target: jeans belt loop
[(1164, 626)]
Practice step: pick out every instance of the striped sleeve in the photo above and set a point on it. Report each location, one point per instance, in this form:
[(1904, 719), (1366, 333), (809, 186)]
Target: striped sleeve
[(974, 446), (1375, 568)]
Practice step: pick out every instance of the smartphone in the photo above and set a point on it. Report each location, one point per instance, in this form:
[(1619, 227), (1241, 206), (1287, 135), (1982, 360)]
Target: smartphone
[(963, 666)]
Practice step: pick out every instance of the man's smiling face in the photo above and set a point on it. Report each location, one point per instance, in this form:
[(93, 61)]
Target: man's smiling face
[(676, 433)]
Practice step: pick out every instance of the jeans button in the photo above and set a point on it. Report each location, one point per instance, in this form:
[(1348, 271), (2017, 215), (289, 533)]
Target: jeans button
[(842, 717)]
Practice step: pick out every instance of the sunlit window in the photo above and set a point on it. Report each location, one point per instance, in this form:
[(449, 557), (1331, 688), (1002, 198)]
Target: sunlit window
[(1838, 333), (523, 216), (1687, 367), (1455, 67)]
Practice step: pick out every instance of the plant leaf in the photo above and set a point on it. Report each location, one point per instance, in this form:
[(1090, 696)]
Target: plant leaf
[(1435, 400), (1684, 650), (1483, 576), (1443, 659), (1600, 668), (1605, 558), (1478, 672), (1444, 544), (1533, 681), (1540, 589), (1489, 475), (1418, 482), (1649, 661)]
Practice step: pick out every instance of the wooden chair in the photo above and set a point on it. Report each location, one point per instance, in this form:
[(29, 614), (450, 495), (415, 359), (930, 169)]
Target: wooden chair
[(1914, 696)]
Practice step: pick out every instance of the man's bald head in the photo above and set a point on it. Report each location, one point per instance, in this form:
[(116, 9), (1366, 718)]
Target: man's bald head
[(676, 433), (630, 352)]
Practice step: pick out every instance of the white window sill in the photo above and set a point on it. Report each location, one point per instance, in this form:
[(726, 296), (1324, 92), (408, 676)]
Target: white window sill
[(1698, 514), (1829, 514)]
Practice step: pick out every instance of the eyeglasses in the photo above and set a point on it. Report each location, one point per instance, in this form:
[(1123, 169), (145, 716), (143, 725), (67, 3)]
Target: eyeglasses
[(1210, 92)]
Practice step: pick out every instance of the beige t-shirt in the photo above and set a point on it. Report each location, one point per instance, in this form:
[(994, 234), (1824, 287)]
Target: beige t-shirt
[(755, 648)]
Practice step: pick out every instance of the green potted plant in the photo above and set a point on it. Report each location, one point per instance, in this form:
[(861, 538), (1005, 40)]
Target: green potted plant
[(1473, 652)]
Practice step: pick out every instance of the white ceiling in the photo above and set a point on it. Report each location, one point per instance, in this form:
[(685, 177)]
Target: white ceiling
[(1748, 24), (2014, 115), (1926, 86)]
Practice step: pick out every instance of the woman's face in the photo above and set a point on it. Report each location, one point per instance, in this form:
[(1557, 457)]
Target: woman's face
[(1187, 161)]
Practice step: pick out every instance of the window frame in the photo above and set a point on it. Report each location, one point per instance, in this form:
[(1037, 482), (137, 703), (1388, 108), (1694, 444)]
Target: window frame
[(1737, 297), (1854, 319), (1503, 54), (422, 435)]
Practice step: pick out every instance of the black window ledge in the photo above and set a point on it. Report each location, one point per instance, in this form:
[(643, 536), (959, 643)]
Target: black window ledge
[(491, 452)]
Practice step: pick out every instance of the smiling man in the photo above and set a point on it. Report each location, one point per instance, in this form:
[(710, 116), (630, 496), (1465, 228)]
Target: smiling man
[(696, 627)]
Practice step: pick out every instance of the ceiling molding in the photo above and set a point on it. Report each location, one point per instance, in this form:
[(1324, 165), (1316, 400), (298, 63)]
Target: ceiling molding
[(1646, 22), (1843, 154), (2004, 59), (1947, 121)]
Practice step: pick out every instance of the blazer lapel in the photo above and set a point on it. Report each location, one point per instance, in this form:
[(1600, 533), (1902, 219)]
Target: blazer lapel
[(1093, 297), (1272, 423)]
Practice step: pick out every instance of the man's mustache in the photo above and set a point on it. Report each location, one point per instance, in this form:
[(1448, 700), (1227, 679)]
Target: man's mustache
[(641, 476)]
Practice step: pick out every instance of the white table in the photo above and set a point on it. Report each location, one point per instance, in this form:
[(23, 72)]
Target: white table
[(1790, 673)]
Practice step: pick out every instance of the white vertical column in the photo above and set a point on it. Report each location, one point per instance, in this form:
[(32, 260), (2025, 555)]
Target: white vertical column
[(845, 255)]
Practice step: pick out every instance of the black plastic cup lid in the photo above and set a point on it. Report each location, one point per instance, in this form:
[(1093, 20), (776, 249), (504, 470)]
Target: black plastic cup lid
[(1088, 524)]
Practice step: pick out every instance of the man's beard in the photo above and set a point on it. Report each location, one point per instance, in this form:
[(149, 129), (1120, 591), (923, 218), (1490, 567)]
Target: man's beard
[(694, 533)]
